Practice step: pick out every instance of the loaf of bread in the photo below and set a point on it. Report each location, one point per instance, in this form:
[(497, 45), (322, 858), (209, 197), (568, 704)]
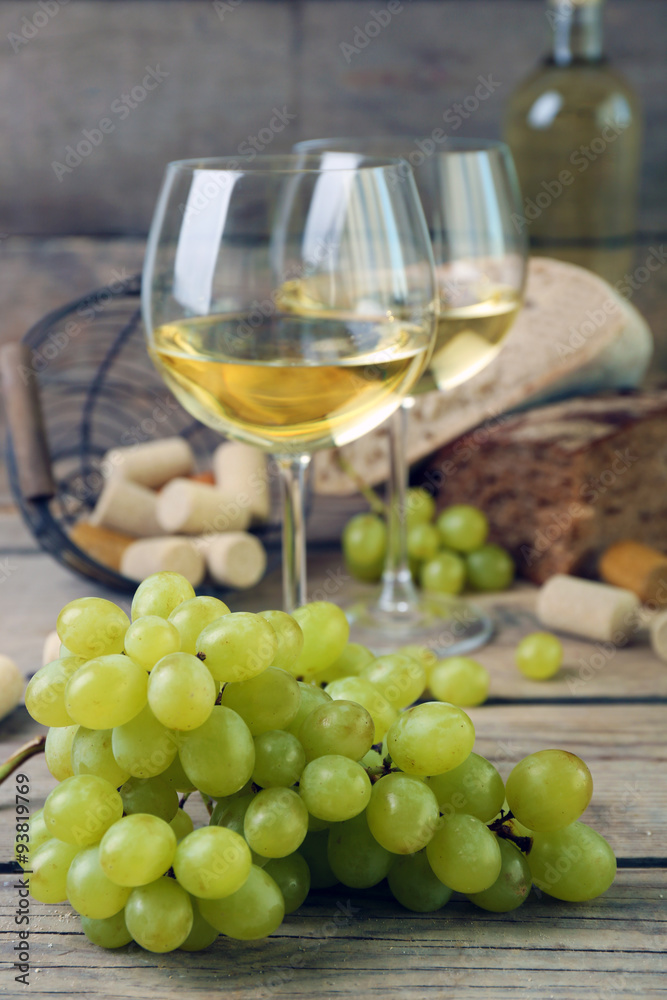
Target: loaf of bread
[(560, 483), (574, 335)]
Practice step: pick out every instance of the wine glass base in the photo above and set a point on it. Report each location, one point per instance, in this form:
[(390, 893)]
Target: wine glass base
[(447, 625)]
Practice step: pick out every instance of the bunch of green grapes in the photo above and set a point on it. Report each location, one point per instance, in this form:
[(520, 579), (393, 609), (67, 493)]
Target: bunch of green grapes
[(313, 765)]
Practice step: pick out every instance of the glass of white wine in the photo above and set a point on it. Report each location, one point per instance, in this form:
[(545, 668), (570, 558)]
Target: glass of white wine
[(230, 239), (469, 192)]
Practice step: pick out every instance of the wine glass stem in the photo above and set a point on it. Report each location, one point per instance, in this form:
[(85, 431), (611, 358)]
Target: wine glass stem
[(293, 472), (398, 594)]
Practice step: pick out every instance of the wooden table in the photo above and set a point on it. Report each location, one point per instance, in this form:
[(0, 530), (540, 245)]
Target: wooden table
[(606, 705)]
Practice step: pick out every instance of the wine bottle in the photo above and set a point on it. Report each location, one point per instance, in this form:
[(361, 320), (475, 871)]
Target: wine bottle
[(574, 128)]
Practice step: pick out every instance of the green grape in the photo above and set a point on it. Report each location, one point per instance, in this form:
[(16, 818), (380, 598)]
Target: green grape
[(212, 862), (92, 753), (338, 727), (111, 932), (237, 646), (464, 854), (474, 787), (253, 911), (159, 916), (311, 697), (81, 809), (402, 813), (176, 777), (364, 543), (219, 757), (549, 789), (268, 701), (316, 825), (399, 678), (279, 759), (413, 883), (325, 633), (292, 876), (422, 654), (350, 663), (106, 692), (45, 693), (366, 694), (149, 795), (30, 835), (374, 761), (444, 574), (181, 692), (419, 506), (463, 528), (137, 849), (89, 891), (489, 568), (92, 627), (430, 738), (49, 866), (202, 934), (334, 788), (315, 852), (191, 618), (276, 822), (181, 824), (512, 885), (423, 542), (160, 594), (58, 751), (574, 863), (539, 655), (144, 747), (230, 812), (460, 681), (289, 638), (150, 638), (356, 858)]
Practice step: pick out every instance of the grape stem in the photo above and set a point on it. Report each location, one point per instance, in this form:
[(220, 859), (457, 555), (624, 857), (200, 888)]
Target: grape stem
[(184, 798), (377, 505), (502, 827), (207, 802), (23, 753)]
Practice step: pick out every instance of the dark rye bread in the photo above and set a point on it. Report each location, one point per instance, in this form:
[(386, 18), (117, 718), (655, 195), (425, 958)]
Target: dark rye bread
[(560, 483)]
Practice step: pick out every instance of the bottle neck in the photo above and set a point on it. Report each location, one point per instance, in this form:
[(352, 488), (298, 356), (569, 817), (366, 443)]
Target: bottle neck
[(576, 29)]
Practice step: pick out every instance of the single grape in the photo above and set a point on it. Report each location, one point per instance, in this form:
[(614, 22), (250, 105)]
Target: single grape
[(237, 646), (58, 751), (181, 691), (81, 809), (356, 858), (279, 759), (460, 681), (89, 891), (423, 542), (268, 701), (399, 678), (350, 663), (143, 746), (334, 788), (444, 574), (366, 694), (337, 727), (191, 618), (413, 883), (159, 916), (574, 863), (539, 655), (430, 738), (325, 634), (489, 568), (276, 822), (30, 835), (464, 854), (292, 876), (45, 693), (149, 795), (230, 812), (202, 934), (549, 789), (150, 638), (137, 850), (212, 862), (160, 594), (106, 692), (463, 528), (402, 813), (364, 544), (92, 753), (91, 627), (512, 885), (311, 697), (253, 911), (181, 824), (474, 787), (419, 506), (111, 932), (50, 864), (176, 777), (314, 851), (219, 757), (289, 638)]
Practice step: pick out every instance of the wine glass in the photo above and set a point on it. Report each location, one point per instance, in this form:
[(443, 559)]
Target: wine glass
[(229, 239), (469, 191)]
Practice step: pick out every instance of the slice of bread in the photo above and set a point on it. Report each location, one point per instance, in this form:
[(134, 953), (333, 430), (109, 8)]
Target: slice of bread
[(574, 335)]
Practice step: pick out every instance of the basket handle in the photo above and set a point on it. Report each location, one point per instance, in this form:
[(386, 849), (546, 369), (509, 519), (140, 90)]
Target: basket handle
[(25, 422)]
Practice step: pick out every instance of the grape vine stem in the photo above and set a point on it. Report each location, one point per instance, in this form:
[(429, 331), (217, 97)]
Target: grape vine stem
[(23, 753)]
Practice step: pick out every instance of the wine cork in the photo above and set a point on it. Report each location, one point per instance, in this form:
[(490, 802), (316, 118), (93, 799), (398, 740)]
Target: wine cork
[(51, 648), (12, 683), (234, 559), (193, 508), (638, 568), (241, 472), (153, 463), (658, 633), (154, 555), (103, 544), (127, 507), (588, 609)]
